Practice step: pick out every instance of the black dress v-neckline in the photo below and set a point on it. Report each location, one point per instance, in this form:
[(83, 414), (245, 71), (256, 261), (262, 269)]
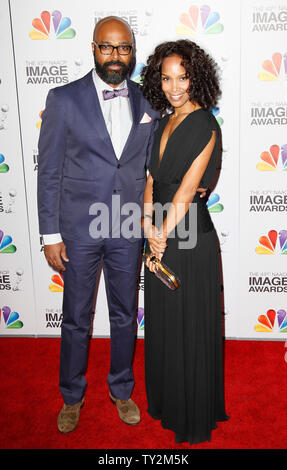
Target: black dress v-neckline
[(171, 135)]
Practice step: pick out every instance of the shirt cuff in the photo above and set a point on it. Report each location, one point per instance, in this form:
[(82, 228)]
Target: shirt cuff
[(52, 238)]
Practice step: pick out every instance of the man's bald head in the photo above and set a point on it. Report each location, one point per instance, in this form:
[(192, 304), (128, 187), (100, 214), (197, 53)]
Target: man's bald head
[(110, 22)]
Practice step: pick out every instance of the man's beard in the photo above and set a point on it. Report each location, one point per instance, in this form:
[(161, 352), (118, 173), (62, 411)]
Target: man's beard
[(113, 77)]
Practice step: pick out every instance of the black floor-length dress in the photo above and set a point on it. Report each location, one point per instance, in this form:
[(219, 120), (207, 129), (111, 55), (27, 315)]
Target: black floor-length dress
[(183, 328)]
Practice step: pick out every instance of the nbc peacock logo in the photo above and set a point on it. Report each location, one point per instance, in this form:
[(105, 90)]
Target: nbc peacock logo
[(6, 245), (199, 20), (213, 204), (272, 322), (39, 122), (3, 166), (273, 69), (52, 25), (216, 113), (141, 318), (10, 318), (57, 284), (136, 75), (268, 244), (270, 161)]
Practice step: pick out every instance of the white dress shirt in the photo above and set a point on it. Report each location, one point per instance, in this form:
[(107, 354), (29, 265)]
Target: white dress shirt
[(116, 112), (118, 118)]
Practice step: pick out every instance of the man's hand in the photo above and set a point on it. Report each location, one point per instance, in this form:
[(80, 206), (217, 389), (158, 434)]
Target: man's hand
[(202, 191), (55, 254)]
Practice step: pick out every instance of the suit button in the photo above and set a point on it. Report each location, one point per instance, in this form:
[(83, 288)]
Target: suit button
[(119, 165), (114, 191)]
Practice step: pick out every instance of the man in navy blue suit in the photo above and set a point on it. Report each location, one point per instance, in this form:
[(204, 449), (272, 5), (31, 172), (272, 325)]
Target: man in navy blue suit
[(94, 148)]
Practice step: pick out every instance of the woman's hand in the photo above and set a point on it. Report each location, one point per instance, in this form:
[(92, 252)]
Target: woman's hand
[(157, 242), (150, 264)]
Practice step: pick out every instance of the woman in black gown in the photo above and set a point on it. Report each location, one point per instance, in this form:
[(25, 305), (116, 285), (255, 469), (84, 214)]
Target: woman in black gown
[(183, 328)]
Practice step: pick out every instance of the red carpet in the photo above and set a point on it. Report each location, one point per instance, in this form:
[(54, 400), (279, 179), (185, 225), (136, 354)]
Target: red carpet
[(256, 400)]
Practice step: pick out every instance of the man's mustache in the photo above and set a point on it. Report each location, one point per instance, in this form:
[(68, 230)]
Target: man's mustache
[(113, 62)]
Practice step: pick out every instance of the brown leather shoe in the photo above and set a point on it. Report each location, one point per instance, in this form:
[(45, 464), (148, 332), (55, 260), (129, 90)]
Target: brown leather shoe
[(69, 415), (127, 409)]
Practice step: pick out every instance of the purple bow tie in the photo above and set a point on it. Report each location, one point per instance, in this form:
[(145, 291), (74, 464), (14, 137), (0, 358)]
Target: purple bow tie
[(109, 94)]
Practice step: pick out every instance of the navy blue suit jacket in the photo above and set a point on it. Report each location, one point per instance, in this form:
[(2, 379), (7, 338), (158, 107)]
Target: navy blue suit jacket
[(77, 163)]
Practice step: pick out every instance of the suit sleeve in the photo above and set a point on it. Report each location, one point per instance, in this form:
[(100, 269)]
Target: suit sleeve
[(51, 148)]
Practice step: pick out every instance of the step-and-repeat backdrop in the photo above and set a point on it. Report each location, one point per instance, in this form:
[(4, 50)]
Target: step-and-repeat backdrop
[(47, 43)]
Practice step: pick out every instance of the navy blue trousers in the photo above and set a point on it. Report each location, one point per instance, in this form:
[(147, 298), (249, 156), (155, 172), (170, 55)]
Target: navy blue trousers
[(120, 260)]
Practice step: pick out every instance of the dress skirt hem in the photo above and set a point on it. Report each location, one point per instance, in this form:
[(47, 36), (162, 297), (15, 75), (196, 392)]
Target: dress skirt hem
[(181, 439)]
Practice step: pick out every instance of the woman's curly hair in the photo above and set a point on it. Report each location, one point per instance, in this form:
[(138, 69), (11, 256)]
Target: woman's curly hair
[(200, 68)]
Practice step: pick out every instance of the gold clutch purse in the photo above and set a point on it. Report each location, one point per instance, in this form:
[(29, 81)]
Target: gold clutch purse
[(163, 272)]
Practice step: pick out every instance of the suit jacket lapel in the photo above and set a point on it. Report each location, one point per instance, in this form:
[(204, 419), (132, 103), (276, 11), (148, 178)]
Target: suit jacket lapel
[(135, 102), (97, 115)]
